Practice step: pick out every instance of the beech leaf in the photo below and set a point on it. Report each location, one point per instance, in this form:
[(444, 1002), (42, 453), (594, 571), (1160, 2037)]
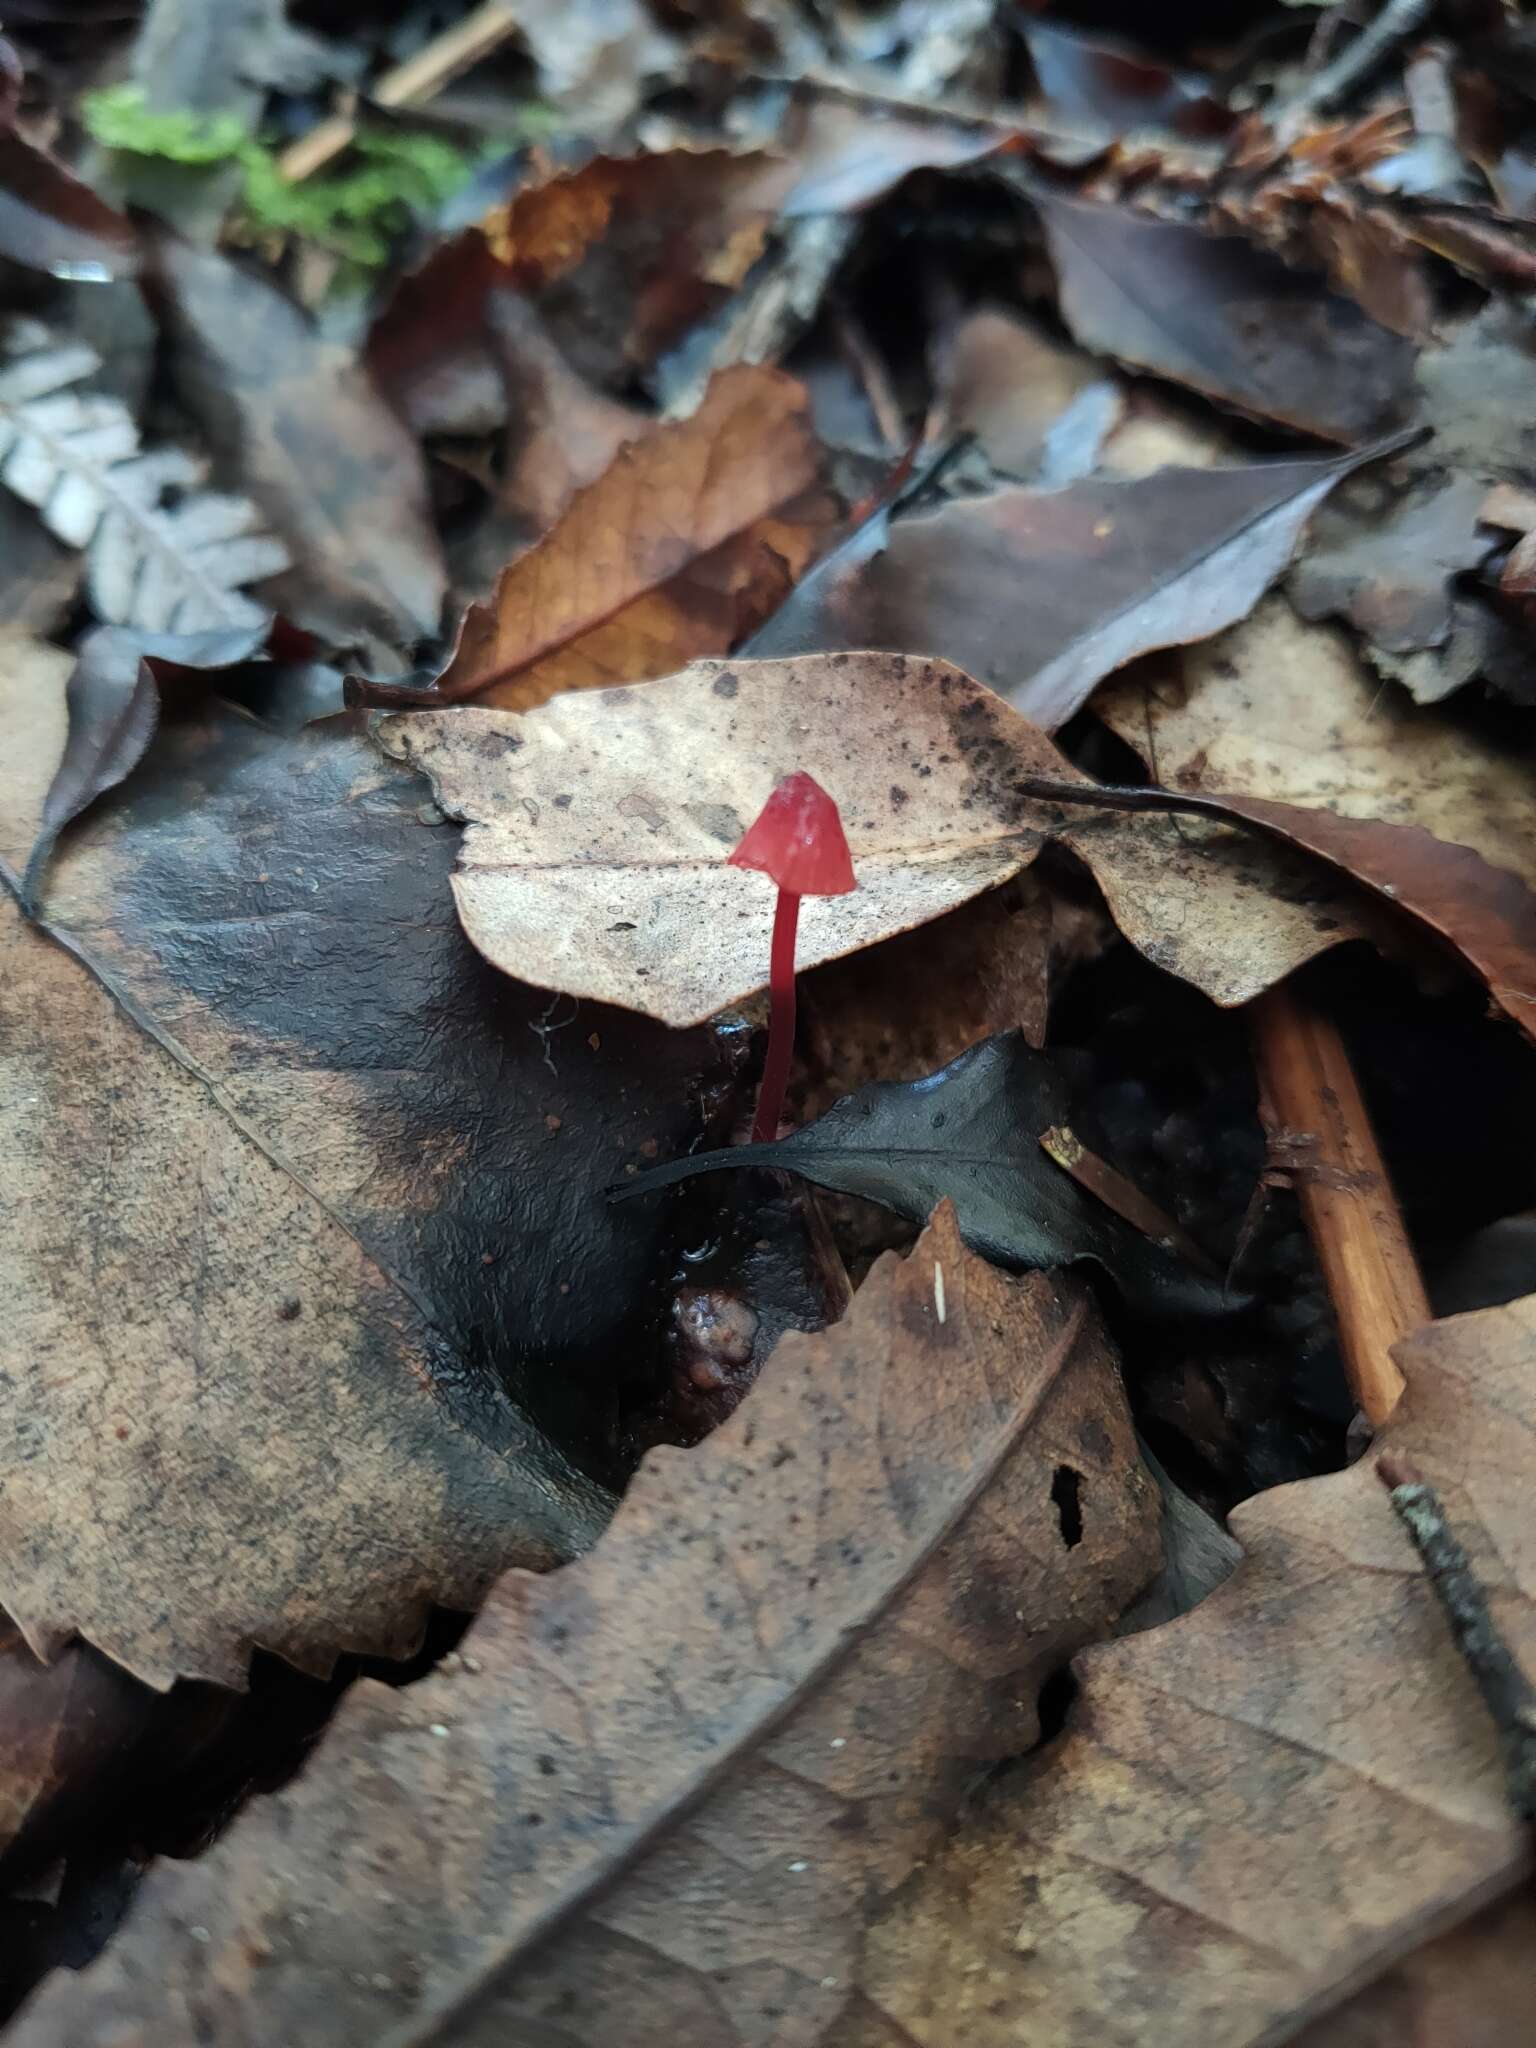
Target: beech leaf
[(1287, 1789), (970, 1134), (1044, 593), (681, 546), (599, 824), (677, 1779)]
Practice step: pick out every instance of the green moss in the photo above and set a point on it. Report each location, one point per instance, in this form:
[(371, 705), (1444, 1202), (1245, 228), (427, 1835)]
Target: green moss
[(118, 119), (356, 213)]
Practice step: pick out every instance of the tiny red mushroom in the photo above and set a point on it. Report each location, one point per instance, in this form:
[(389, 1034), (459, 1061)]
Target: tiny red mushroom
[(798, 840)]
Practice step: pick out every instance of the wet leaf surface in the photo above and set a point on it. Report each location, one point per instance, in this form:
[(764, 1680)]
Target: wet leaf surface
[(382, 1256), (970, 1134), (865, 1563)]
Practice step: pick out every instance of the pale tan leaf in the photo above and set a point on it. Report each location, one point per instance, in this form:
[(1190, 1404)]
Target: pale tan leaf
[(599, 826), (1285, 1791)]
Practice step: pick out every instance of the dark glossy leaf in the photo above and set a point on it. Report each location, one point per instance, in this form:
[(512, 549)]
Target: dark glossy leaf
[(114, 706), (1225, 318), (970, 1134), (306, 1202)]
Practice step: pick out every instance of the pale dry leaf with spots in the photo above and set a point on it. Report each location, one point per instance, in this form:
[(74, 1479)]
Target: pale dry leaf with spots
[(599, 825)]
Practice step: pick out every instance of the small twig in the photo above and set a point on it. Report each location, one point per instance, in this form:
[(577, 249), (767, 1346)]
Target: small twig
[(1397, 20), (1107, 1184), (408, 84), (1507, 1693), (1309, 1089)]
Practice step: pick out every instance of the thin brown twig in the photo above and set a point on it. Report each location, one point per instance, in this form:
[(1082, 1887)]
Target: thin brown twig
[(408, 84)]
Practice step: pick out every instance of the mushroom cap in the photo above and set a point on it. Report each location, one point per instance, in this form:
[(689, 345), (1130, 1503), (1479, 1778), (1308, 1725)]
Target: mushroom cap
[(798, 839)]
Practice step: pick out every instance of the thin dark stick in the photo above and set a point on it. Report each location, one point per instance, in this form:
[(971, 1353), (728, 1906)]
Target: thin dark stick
[(1507, 1693)]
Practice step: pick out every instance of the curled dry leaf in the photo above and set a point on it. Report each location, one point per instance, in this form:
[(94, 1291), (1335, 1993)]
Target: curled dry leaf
[(679, 1777), (314, 443), (305, 1372), (1225, 318), (693, 533), (1289, 1788), (113, 699), (599, 826), (1044, 593), (1390, 563)]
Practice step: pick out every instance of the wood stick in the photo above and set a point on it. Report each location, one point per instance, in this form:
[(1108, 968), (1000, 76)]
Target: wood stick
[(1110, 1186), (1318, 1124), (408, 84)]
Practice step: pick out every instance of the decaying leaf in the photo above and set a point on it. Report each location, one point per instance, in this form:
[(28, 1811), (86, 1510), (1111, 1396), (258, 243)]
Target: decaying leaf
[(594, 56), (562, 433), (66, 1726), (113, 700), (1388, 561), (1111, 83), (76, 457), (1288, 1789), (599, 826), (667, 1788), (1008, 382), (680, 547), (306, 1212), (336, 473), (1277, 708), (1225, 318), (1044, 593), (969, 1134)]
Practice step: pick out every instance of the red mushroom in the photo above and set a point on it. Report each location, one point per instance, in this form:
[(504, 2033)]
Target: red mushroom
[(798, 840)]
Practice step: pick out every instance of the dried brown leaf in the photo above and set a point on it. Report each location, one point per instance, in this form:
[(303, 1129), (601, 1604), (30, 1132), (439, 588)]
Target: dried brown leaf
[(1265, 1803), (676, 551), (667, 1788), (1225, 318), (1044, 593), (595, 859), (313, 442)]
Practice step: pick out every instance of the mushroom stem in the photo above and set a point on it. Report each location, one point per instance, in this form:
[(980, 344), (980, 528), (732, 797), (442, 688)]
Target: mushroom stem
[(781, 1019)]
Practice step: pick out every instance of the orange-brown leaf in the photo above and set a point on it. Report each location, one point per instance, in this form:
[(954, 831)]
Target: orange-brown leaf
[(686, 542)]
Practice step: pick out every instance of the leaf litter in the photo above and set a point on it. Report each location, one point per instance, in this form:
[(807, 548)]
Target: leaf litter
[(771, 385)]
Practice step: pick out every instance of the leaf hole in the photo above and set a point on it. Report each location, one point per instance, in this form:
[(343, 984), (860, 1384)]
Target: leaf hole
[(1067, 1493)]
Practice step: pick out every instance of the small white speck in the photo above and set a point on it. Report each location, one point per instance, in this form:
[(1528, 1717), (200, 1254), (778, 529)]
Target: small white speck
[(829, 1983), (839, 1742), (380, 1982), (799, 1866), (199, 1934), (938, 1292), (439, 1729), (1018, 1614), (472, 1665), (1389, 888)]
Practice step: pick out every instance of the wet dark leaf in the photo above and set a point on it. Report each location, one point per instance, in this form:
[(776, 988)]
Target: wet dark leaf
[(114, 706), (1226, 319), (350, 1300), (970, 1134)]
